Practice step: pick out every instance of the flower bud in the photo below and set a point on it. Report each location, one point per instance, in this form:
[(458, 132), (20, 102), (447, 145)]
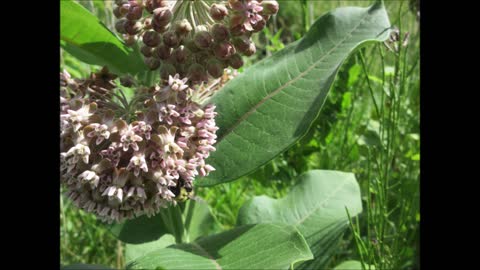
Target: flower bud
[(170, 39), (119, 12), (183, 27), (151, 5), (203, 39), (152, 63), (163, 52), (238, 30), (134, 12), (220, 32), (224, 50), (146, 51), (242, 43), (159, 28), (181, 54), (235, 61), (129, 39), (196, 73), (215, 68), (151, 38), (132, 27), (259, 25), (147, 24), (251, 50), (166, 70), (120, 26), (269, 7), (162, 16), (218, 12)]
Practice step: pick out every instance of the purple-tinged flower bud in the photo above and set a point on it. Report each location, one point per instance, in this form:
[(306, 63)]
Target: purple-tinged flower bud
[(220, 32), (224, 50), (181, 54), (162, 16), (235, 61), (129, 39), (218, 12), (190, 44), (236, 5), (215, 68), (152, 63), (238, 30), (259, 25), (146, 51), (166, 70), (251, 50), (196, 73), (151, 5), (132, 27), (163, 52), (183, 27), (119, 12), (170, 39), (134, 12), (151, 38), (242, 43), (269, 7), (120, 26), (159, 28), (203, 39)]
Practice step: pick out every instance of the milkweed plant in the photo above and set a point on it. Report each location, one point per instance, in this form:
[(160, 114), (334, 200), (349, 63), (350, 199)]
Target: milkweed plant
[(169, 111)]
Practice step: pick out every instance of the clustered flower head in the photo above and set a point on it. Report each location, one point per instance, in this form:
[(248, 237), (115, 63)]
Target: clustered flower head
[(122, 161), (196, 39)]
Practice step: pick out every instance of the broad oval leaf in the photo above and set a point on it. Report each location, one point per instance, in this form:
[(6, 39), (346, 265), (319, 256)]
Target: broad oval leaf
[(353, 265), (263, 246), (316, 206), (133, 251), (86, 38), (86, 267), (197, 221), (270, 106)]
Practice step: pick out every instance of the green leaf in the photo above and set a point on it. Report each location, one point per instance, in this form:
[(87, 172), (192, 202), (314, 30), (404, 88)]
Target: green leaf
[(133, 251), (86, 38), (316, 206), (197, 220), (352, 265), (86, 267), (264, 246), (271, 105)]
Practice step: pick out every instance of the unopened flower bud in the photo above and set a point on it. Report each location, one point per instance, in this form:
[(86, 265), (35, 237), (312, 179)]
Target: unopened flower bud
[(251, 50), (218, 12), (197, 73), (203, 39), (235, 61), (166, 70), (151, 5), (152, 63), (238, 30), (134, 12), (132, 27), (119, 12), (146, 51), (215, 68), (120, 26), (220, 32), (170, 39), (163, 52), (242, 43), (224, 50), (129, 39), (181, 54), (151, 38), (162, 16), (183, 27), (159, 28), (259, 25), (269, 7)]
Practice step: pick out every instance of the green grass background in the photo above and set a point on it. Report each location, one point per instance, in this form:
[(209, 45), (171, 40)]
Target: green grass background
[(369, 125)]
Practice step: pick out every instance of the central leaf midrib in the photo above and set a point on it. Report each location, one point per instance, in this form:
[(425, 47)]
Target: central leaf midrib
[(299, 76), (210, 257)]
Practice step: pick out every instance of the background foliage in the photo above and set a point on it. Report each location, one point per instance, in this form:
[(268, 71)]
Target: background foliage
[(369, 125)]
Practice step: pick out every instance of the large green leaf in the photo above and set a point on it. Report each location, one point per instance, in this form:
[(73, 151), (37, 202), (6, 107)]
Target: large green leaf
[(86, 267), (197, 221), (353, 265), (86, 38), (316, 206), (263, 246), (270, 106), (133, 251)]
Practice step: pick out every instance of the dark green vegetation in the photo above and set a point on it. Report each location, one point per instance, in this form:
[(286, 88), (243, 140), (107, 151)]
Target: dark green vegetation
[(369, 125)]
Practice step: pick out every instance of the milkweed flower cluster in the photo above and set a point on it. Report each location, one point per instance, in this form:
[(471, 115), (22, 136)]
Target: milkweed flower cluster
[(122, 162), (194, 38)]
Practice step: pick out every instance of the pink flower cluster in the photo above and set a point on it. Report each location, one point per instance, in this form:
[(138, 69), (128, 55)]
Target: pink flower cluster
[(120, 164)]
